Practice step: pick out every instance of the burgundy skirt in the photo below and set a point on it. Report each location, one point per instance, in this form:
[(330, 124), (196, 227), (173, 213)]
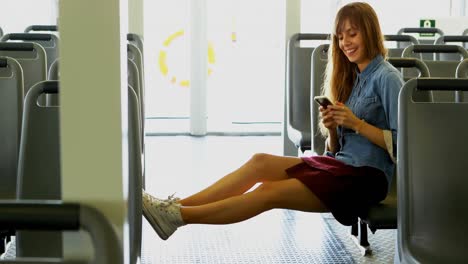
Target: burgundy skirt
[(345, 190)]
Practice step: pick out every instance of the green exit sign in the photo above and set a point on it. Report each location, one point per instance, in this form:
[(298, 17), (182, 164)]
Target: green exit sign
[(427, 23)]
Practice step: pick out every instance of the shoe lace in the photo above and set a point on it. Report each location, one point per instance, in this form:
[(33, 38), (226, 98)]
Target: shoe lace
[(172, 198)]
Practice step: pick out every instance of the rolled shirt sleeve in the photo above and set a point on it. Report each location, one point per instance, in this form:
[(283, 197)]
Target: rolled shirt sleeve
[(391, 85)]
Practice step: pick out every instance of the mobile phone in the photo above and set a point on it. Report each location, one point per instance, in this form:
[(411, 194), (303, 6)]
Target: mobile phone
[(323, 101)]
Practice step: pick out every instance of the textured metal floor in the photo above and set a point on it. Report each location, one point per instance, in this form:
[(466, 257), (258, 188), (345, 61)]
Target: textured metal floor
[(382, 242), (278, 236)]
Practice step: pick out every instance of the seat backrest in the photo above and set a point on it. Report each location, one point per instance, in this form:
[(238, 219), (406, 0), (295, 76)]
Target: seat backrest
[(419, 96), (318, 66), (133, 76), (136, 40), (298, 75), (11, 112), (438, 68), (134, 82), (426, 41), (55, 215), (135, 56), (415, 63), (465, 33), (54, 71), (50, 28), (462, 69), (31, 57), (135, 175), (40, 170), (462, 72), (432, 182), (39, 167), (53, 99), (462, 41), (48, 41), (398, 50)]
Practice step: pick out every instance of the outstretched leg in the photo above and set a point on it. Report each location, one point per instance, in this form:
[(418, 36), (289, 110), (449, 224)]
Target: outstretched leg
[(287, 194), (260, 168)]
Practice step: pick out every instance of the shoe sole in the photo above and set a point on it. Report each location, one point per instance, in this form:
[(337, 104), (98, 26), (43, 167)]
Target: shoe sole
[(154, 223)]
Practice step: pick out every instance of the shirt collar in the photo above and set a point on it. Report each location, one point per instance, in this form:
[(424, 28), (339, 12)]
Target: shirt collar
[(370, 67)]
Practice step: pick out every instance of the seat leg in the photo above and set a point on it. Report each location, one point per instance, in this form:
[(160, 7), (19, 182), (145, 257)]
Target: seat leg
[(2, 244), (363, 234), (355, 230), (359, 236)]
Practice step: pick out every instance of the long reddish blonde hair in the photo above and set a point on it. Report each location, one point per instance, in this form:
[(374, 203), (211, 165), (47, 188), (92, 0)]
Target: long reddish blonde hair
[(341, 73)]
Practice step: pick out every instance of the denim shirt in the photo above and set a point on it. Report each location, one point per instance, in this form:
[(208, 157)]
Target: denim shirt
[(374, 98)]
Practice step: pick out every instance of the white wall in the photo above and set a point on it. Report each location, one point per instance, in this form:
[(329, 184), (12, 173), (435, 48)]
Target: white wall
[(19, 14), (393, 15)]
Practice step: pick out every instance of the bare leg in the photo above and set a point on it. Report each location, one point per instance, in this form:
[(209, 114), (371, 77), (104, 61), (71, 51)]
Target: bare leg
[(287, 194), (260, 168)]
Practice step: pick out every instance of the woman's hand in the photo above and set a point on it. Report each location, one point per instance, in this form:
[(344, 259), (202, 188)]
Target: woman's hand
[(327, 117), (343, 116)]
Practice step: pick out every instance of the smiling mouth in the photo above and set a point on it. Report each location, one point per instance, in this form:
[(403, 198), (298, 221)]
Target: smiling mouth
[(350, 51)]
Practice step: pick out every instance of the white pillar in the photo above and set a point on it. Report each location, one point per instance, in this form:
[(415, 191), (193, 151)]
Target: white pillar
[(93, 114), (135, 17), (293, 26), (462, 8), (199, 68), (55, 12)]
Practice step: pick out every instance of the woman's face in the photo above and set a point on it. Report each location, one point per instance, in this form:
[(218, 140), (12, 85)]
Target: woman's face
[(351, 43)]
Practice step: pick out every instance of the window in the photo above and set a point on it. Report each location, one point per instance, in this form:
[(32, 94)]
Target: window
[(245, 61)]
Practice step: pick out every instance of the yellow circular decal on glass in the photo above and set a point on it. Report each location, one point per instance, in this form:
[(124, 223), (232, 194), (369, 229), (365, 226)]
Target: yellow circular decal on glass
[(164, 69)]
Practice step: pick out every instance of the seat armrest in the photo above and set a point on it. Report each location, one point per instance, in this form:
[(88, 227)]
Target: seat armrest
[(56, 215)]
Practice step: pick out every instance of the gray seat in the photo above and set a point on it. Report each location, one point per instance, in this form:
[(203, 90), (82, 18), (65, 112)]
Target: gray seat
[(465, 33), (432, 182), (134, 54), (39, 168), (53, 99), (133, 77), (438, 68), (462, 69), (39, 176), (54, 215), (48, 41), (134, 82), (135, 176), (462, 41), (31, 57), (384, 215), (11, 113), (423, 71), (136, 57), (462, 72), (319, 60), (297, 104), (54, 71), (405, 63), (425, 41), (398, 50), (50, 28), (136, 40)]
